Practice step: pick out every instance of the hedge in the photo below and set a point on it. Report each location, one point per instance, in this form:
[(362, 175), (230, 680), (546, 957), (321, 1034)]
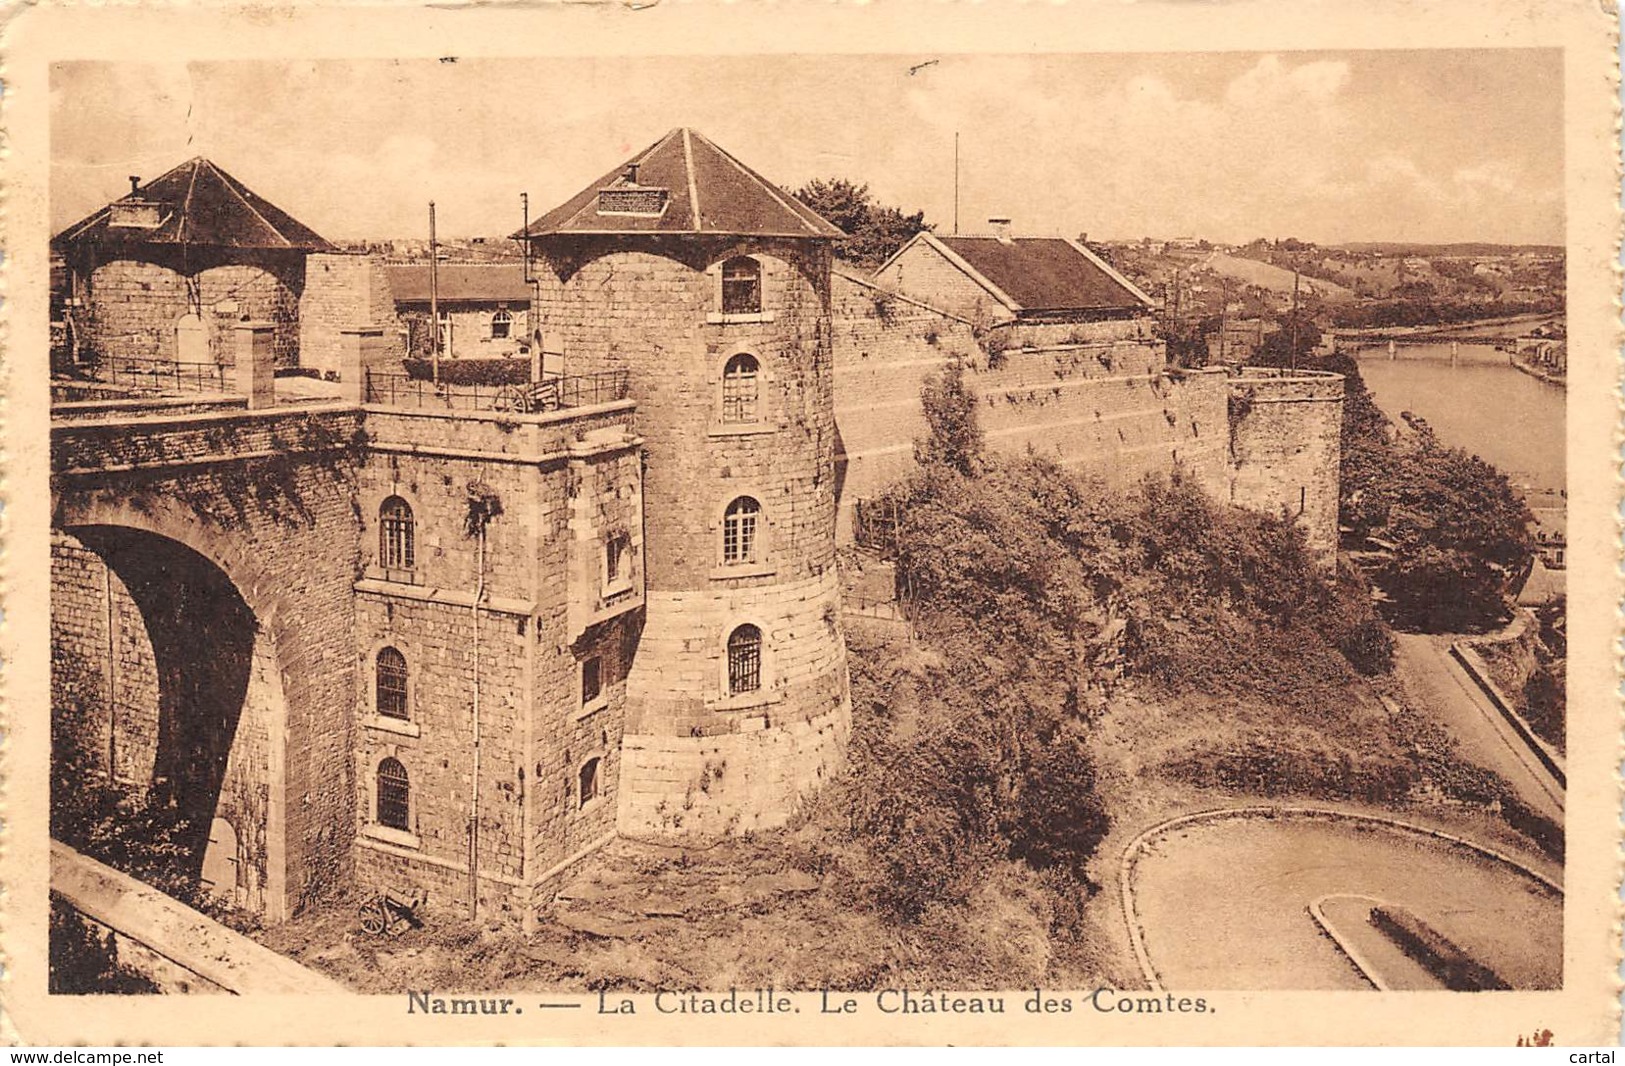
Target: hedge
[(510, 371)]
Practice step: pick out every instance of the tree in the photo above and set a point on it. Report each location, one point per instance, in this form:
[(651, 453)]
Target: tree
[(874, 231), (1278, 348), (955, 438), (1455, 531)]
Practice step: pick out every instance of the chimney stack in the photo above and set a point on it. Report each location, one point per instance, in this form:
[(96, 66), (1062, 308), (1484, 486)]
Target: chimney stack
[(631, 173), (135, 184), (1001, 228)]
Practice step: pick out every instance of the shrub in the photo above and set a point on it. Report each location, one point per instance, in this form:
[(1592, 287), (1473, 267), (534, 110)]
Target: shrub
[(493, 372)]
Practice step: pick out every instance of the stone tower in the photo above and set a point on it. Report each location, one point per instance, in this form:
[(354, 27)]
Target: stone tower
[(711, 288), (167, 271)]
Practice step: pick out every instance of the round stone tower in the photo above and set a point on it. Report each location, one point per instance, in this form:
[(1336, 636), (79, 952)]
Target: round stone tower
[(710, 289)]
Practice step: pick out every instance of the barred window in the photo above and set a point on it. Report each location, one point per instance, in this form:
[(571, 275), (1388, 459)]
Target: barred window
[(744, 660), (592, 679), (741, 286), (501, 325), (394, 795), (587, 785), (739, 388), (739, 531), (395, 535), (391, 676)]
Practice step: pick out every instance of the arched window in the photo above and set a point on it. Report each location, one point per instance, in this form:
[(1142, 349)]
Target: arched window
[(391, 688), (394, 795), (739, 531), (587, 790), (395, 535), (744, 660), (741, 286), (739, 388), (501, 324)]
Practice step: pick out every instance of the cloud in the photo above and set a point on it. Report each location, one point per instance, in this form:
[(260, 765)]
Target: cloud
[(1271, 82)]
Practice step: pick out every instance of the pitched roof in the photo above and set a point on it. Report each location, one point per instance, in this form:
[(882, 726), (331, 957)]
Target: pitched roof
[(683, 183), (1046, 273), (466, 282), (197, 204)]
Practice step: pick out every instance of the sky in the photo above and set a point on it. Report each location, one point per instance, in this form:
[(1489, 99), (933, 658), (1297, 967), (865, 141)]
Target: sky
[(1414, 145)]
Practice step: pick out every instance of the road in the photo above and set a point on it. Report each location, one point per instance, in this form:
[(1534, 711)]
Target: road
[(1225, 904), (1440, 688)]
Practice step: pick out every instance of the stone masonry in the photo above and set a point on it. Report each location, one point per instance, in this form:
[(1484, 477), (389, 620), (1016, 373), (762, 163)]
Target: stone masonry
[(136, 304), (653, 308)]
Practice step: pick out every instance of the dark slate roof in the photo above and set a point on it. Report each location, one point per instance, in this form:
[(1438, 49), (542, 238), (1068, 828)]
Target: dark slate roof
[(465, 282), (1044, 273), (201, 206), (705, 190)]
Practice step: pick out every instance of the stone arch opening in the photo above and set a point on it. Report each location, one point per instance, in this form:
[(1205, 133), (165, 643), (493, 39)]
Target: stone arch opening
[(210, 717)]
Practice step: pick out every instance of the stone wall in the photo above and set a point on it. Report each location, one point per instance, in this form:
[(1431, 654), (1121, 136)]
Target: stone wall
[(1286, 448), (924, 272), (1093, 396), (267, 498), (568, 482), (135, 304), (344, 292), (104, 679)]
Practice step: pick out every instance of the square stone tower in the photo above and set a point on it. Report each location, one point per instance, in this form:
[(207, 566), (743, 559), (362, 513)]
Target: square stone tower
[(711, 288)]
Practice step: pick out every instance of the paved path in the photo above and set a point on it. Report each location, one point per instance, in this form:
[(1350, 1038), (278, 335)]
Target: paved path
[(1441, 689), (1225, 904)]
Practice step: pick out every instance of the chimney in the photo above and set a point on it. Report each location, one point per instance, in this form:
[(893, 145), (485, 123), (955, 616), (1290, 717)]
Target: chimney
[(631, 175), (135, 184), (1001, 228)]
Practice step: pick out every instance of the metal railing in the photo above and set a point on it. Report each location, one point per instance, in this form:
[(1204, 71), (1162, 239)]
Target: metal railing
[(553, 393), (161, 376)]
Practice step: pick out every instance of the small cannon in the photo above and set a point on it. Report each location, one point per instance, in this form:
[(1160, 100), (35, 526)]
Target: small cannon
[(391, 910)]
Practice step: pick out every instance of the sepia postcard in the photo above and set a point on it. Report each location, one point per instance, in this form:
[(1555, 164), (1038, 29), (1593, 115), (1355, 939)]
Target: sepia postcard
[(811, 524)]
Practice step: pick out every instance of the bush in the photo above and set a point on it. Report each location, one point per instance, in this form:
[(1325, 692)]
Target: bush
[(83, 962), (493, 372)]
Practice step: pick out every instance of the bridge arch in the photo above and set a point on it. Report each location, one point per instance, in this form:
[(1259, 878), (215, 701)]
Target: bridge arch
[(208, 709)]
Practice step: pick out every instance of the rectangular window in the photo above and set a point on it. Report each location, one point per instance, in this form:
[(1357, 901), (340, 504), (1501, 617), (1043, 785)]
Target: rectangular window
[(616, 552), (592, 680), (741, 286)]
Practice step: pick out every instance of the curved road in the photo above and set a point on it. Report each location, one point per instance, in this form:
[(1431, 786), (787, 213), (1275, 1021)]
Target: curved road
[(1225, 904)]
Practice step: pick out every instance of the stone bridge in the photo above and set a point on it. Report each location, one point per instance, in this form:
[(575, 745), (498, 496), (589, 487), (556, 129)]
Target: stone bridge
[(202, 649)]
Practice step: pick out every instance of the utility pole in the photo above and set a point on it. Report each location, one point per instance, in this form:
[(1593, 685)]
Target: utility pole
[(1224, 317), (524, 241), (434, 299), (956, 183), (1293, 351)]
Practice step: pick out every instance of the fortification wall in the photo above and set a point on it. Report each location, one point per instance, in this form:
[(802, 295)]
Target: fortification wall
[(1093, 396), (136, 304), (1286, 448)]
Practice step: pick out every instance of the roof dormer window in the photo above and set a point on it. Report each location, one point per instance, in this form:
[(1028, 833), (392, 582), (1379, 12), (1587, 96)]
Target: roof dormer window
[(627, 197), (135, 214)]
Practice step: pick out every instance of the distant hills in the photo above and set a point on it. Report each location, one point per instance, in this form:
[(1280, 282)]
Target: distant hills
[(1463, 248)]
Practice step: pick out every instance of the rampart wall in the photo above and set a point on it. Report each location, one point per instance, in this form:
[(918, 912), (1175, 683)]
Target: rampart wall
[(1093, 396)]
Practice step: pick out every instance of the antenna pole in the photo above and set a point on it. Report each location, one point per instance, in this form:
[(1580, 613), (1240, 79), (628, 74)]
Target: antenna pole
[(434, 299)]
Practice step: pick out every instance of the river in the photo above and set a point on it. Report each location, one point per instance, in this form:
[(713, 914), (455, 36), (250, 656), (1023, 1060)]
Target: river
[(1481, 404)]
